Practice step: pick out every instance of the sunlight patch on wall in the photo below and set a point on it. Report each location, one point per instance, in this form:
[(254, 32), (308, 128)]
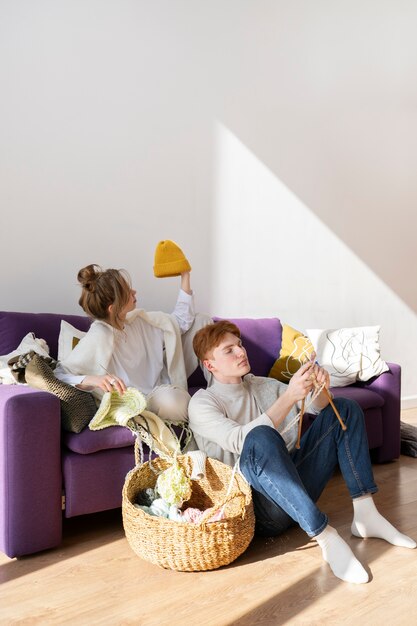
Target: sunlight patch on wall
[(272, 256)]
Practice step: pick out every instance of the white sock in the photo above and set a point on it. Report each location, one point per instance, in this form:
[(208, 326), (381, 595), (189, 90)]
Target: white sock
[(340, 557), (368, 522)]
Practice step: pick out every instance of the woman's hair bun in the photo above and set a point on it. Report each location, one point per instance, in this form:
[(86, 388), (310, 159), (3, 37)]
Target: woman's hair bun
[(88, 275)]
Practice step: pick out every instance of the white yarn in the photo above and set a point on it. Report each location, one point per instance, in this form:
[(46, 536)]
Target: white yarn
[(198, 459)]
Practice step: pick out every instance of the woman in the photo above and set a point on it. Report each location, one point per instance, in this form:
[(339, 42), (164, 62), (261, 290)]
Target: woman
[(126, 346)]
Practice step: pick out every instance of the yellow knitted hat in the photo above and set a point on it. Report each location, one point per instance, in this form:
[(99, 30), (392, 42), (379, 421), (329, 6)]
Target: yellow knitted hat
[(169, 260)]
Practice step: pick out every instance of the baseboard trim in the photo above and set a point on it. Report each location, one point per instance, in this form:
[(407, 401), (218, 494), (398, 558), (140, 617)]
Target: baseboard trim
[(408, 402)]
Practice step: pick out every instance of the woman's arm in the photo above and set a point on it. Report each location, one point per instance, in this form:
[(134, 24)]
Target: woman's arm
[(184, 311), (85, 367), (186, 283), (108, 382)]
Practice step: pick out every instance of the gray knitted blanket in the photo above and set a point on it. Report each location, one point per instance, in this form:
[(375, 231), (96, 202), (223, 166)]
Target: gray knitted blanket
[(408, 439)]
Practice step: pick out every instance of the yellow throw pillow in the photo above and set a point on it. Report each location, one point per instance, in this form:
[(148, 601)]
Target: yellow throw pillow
[(296, 349)]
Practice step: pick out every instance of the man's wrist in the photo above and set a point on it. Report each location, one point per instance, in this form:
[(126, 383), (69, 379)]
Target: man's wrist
[(280, 409)]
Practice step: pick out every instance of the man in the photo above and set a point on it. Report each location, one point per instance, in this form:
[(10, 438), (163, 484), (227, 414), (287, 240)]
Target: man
[(252, 420)]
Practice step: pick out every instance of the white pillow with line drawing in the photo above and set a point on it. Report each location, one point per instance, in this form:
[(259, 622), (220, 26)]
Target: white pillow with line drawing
[(348, 354)]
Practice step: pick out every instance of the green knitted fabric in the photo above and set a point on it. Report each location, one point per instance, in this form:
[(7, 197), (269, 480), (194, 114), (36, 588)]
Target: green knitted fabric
[(117, 410), (173, 485), (129, 409)]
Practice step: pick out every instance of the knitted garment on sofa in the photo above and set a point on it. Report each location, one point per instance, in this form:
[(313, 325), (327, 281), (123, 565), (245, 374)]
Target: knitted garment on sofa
[(77, 406), (129, 410)]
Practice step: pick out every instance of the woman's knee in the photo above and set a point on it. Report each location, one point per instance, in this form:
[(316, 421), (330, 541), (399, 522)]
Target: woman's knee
[(169, 402)]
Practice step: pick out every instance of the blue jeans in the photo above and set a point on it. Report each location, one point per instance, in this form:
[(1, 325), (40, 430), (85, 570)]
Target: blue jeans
[(286, 486)]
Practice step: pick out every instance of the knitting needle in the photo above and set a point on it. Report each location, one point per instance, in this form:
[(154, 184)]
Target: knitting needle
[(329, 395), (300, 423), (342, 424), (107, 371)]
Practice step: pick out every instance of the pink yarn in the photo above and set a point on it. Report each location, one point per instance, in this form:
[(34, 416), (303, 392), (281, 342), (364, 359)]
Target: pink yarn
[(194, 515)]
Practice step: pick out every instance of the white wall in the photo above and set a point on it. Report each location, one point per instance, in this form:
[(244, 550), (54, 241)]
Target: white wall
[(228, 127)]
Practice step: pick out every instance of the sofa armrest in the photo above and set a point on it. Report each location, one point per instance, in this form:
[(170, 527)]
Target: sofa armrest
[(30, 470), (388, 385)]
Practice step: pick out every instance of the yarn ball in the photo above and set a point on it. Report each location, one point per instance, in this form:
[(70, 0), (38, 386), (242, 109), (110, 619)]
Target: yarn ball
[(175, 514), (194, 515), (174, 486), (146, 497), (159, 508)]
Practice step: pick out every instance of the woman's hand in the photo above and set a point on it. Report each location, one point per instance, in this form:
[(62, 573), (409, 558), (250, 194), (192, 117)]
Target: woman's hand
[(186, 283), (108, 382)]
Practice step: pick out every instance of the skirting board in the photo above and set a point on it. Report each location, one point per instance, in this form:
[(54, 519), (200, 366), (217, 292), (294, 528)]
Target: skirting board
[(408, 402)]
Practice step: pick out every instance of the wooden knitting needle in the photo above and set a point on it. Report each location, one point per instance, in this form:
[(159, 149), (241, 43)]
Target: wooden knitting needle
[(300, 423), (329, 395)]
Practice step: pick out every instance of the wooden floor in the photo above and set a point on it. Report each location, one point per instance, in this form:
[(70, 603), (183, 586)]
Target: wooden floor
[(95, 578)]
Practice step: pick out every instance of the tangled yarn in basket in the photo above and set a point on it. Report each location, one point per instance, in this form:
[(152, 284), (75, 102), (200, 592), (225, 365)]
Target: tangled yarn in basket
[(195, 515), (174, 486)]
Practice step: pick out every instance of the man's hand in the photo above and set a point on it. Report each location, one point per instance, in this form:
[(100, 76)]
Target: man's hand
[(301, 383), (321, 375), (298, 388)]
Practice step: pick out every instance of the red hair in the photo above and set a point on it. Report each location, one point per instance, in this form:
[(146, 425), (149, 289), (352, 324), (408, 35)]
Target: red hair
[(209, 337)]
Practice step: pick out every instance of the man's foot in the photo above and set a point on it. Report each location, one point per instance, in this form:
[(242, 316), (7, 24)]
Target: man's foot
[(368, 522), (340, 557)]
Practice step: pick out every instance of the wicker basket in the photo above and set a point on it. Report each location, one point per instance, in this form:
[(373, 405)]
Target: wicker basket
[(186, 546)]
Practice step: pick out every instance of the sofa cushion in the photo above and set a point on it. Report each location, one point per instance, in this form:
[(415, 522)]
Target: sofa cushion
[(262, 340), (88, 441), (94, 482), (366, 398), (296, 349), (69, 336), (14, 326), (348, 354)]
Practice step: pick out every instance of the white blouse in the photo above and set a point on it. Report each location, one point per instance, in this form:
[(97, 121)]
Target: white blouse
[(138, 354)]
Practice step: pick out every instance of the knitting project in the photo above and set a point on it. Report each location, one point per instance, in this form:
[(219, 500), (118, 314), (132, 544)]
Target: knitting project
[(299, 417), (317, 392), (117, 410)]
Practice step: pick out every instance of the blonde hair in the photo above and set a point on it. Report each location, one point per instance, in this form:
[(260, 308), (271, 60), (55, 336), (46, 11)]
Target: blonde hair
[(102, 288)]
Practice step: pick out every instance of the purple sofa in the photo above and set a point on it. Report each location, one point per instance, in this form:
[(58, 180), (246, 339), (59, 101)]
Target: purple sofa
[(46, 473)]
